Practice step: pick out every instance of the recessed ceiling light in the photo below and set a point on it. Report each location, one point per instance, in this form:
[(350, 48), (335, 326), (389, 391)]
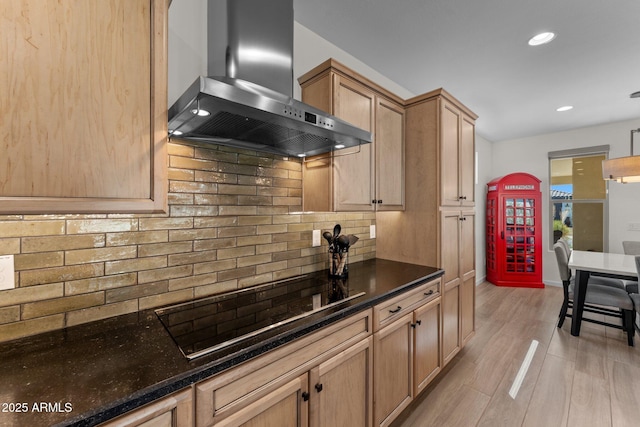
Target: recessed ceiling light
[(339, 146), (565, 108), (302, 155), (175, 132), (541, 38)]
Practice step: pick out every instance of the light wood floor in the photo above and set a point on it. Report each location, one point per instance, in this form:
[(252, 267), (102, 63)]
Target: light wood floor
[(591, 380)]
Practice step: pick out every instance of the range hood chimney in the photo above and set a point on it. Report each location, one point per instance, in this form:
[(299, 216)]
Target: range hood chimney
[(250, 44)]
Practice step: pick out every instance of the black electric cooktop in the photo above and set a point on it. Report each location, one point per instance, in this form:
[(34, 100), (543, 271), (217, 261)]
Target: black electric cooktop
[(206, 325)]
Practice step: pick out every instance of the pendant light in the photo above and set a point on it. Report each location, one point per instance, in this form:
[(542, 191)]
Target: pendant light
[(623, 169)]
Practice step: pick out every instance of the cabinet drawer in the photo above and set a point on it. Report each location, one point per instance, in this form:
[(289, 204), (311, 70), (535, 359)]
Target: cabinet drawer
[(230, 391), (390, 310)]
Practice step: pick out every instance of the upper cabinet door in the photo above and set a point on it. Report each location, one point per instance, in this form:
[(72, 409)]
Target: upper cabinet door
[(457, 157), (84, 119), (467, 161), (389, 155), (450, 153), (353, 185)]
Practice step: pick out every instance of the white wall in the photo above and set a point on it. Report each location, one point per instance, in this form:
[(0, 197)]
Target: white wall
[(187, 45), (530, 155), (485, 173), (309, 50), (188, 51)]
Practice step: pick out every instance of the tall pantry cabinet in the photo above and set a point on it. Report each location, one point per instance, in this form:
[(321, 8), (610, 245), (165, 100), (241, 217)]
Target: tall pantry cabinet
[(437, 225)]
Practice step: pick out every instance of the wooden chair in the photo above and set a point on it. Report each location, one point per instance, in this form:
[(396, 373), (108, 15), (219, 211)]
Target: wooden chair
[(597, 300)]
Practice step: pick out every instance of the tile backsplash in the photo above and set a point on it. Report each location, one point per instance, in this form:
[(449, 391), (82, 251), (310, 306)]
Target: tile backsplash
[(233, 222)]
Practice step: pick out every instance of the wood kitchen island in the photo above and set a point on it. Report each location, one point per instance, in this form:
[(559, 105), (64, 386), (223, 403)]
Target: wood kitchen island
[(93, 373)]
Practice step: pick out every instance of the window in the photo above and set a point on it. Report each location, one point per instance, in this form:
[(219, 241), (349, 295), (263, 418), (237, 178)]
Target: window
[(578, 198)]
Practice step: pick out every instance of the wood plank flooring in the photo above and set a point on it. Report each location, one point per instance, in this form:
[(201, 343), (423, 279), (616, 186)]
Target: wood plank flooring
[(591, 380)]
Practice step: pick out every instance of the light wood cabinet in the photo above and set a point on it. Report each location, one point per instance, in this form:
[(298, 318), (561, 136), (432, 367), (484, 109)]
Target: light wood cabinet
[(389, 145), (406, 349), (393, 369), (458, 259), (342, 392), (175, 410), (286, 406), (323, 379), (427, 344), (437, 225), (369, 177), (457, 156), (84, 119)]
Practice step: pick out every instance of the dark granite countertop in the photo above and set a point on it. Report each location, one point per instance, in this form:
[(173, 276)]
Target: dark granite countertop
[(90, 373)]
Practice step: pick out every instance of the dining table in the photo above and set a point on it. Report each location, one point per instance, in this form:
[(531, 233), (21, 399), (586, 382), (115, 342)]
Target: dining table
[(587, 263)]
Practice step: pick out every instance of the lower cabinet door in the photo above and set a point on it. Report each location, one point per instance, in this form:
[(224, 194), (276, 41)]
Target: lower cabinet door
[(427, 344), (340, 388), (393, 369), (175, 410), (286, 406), (467, 309), (450, 321)]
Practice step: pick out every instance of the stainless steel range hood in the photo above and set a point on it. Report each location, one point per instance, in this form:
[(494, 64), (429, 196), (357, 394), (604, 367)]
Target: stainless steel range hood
[(251, 106)]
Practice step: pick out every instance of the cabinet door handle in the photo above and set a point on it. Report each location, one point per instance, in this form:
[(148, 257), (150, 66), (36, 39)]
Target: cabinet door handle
[(380, 201), (318, 388), (305, 396), (426, 294), (395, 310), (419, 322)]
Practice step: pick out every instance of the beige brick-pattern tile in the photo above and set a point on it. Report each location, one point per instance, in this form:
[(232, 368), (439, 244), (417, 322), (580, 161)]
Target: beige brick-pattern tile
[(137, 291), (83, 226), (11, 331), (136, 264), (213, 266), (100, 283), (165, 273), (31, 293), (165, 248), (87, 315), (40, 260), (254, 260), (192, 281), (9, 314), (193, 234), (236, 252), (61, 305), (9, 246), (62, 243), (137, 238), (60, 274), (234, 221), (238, 210), (85, 256), (165, 223), (154, 301), (215, 288), (31, 228), (192, 258)]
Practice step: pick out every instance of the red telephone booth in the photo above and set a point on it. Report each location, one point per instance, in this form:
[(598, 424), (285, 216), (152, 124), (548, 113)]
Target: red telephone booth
[(514, 233)]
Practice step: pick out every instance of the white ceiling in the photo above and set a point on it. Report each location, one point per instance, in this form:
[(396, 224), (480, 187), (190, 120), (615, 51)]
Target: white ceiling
[(477, 50)]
